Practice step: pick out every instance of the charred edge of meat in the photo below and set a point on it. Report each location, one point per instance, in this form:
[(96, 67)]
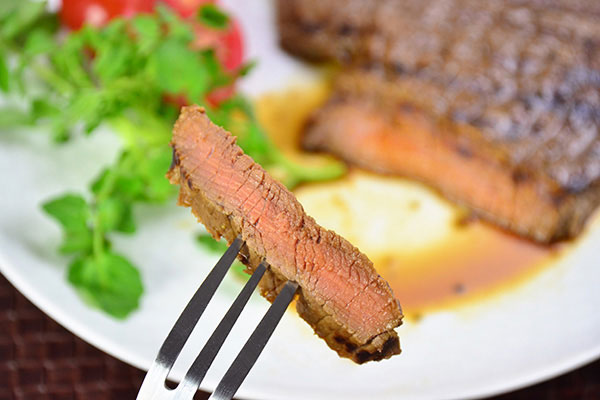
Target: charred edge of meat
[(377, 348), (362, 355)]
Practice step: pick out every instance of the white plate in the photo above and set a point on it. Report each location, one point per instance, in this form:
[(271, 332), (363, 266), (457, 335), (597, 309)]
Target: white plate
[(542, 328)]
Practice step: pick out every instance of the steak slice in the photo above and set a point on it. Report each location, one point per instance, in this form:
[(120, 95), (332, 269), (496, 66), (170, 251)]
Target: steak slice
[(495, 104), (340, 294), (399, 138)]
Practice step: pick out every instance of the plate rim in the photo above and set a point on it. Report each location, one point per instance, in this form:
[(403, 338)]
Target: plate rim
[(10, 272)]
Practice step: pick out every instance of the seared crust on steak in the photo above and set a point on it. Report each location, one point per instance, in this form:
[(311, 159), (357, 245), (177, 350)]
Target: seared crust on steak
[(341, 295), (512, 87)]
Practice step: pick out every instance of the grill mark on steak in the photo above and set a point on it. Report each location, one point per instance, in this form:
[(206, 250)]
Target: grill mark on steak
[(341, 296), (508, 86)]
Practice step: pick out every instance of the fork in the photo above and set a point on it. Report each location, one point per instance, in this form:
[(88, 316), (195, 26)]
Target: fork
[(154, 384)]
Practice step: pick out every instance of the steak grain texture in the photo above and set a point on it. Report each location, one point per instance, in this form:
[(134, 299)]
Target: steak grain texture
[(340, 294), (505, 97)]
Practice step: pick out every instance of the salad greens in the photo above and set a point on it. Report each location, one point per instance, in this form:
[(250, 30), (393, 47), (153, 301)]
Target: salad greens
[(124, 75), (211, 16)]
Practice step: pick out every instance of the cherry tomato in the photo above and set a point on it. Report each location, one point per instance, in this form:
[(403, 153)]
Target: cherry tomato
[(227, 43), (233, 48), (229, 50), (187, 8), (221, 94), (75, 13)]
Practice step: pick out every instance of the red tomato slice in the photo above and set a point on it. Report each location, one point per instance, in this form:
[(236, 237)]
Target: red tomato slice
[(233, 47), (227, 43), (229, 50), (75, 13), (221, 94)]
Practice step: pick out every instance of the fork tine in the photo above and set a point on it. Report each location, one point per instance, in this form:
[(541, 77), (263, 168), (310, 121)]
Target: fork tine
[(193, 311), (197, 371), (171, 347), (242, 364)]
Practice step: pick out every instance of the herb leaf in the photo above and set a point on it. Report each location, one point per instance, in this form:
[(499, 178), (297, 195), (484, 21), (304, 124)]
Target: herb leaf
[(209, 243), (213, 17), (176, 69), (76, 241), (21, 17), (70, 210), (38, 42), (109, 282), (3, 71), (115, 215), (74, 214), (148, 32)]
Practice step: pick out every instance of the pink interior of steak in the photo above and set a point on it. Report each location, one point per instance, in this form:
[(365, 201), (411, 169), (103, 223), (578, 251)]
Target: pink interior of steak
[(404, 141), (341, 294)]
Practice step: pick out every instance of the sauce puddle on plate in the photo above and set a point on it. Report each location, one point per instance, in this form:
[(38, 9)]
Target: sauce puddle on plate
[(424, 246)]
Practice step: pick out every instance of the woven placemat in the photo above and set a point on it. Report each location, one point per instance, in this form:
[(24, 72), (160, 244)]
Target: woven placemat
[(39, 359)]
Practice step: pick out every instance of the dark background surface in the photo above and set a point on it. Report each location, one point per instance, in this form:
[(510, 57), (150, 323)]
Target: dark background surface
[(40, 359)]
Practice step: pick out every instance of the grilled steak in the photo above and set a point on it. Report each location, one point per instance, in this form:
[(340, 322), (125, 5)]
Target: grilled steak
[(496, 104), (341, 295)]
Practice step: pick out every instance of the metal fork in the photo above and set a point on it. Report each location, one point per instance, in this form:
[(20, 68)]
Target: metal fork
[(154, 385)]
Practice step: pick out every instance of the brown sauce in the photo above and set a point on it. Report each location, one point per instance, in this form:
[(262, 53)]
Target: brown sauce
[(473, 260), (476, 260)]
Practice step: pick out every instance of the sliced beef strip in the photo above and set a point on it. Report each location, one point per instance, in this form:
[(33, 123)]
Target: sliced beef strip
[(515, 82), (341, 295)]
